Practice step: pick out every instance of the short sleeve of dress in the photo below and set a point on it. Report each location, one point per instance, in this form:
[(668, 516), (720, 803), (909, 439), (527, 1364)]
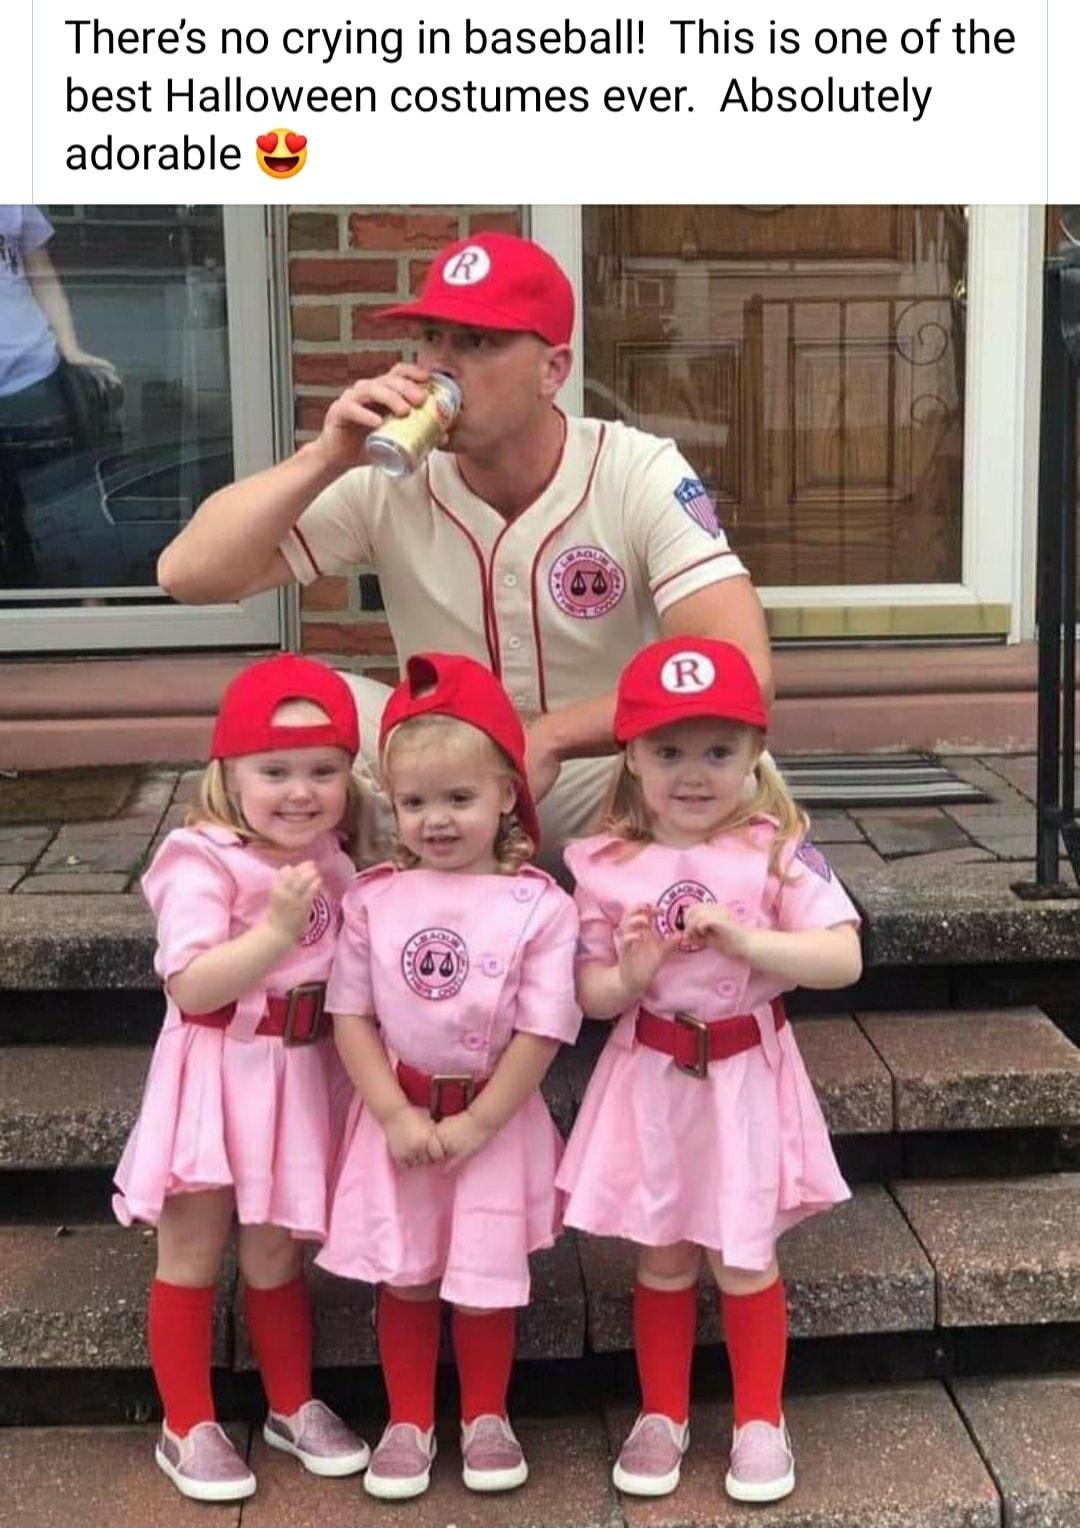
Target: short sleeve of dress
[(813, 898), (596, 934), (349, 988), (333, 535), (682, 543), (546, 1004), (191, 894)]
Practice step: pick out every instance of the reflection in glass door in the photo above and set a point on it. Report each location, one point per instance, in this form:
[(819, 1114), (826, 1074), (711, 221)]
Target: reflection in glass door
[(810, 363), (116, 417)]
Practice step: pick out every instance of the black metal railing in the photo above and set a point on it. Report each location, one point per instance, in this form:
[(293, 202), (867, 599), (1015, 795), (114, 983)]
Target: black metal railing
[(1056, 611)]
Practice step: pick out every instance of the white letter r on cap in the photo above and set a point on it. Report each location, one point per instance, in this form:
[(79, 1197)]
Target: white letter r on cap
[(467, 267), (687, 673)]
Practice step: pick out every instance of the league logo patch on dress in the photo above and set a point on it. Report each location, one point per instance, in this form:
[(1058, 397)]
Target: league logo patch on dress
[(814, 860), (435, 963), (586, 582), (672, 908), (692, 495), (322, 916)]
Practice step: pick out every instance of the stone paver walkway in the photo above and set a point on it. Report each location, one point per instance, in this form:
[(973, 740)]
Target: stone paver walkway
[(911, 843)]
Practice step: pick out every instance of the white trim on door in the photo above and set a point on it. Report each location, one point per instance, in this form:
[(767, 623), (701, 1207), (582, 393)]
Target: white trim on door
[(155, 622), (1001, 422)]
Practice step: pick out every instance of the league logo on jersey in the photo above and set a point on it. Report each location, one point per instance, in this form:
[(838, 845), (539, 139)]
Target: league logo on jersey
[(435, 963), (671, 910), (813, 859), (322, 916), (586, 582), (692, 495)]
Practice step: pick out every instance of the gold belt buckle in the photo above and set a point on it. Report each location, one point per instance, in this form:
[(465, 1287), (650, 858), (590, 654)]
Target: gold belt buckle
[(698, 1068), (296, 995), (440, 1080)]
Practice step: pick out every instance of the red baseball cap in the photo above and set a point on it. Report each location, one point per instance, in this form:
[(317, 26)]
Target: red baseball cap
[(684, 677), (496, 281), (245, 720), (449, 685)]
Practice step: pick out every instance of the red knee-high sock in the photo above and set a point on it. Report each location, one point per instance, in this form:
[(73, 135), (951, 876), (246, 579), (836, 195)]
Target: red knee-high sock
[(755, 1330), (484, 1349), (279, 1325), (409, 1353), (178, 1336), (665, 1323)]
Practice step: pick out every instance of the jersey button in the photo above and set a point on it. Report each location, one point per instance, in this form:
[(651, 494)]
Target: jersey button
[(473, 1042), (726, 988), (510, 580), (522, 893), (513, 643), (491, 965)]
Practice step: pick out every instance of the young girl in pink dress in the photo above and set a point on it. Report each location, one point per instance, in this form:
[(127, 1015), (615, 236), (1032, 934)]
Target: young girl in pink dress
[(452, 990), (237, 1119), (702, 903)]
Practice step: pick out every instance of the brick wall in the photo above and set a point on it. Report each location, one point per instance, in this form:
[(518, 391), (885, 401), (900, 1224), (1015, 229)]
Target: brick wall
[(344, 263)]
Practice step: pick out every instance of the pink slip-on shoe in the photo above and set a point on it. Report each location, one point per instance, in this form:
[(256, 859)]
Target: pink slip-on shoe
[(762, 1464), (203, 1464), (319, 1439), (650, 1460), (401, 1464), (492, 1459)]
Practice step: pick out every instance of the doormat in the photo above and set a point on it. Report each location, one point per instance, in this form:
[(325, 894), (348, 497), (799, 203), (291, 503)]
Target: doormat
[(64, 795), (895, 779)]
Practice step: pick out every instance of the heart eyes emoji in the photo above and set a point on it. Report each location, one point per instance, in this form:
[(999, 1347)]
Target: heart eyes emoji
[(281, 153)]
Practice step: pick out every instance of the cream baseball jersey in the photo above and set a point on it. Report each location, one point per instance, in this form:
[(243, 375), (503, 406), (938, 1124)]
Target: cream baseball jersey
[(554, 601)]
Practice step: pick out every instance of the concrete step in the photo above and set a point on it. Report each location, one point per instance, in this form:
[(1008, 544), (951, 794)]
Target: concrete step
[(981, 1070), (1028, 1431), (974, 1254), (873, 1458), (1005, 1253), (857, 1269), (68, 1106)]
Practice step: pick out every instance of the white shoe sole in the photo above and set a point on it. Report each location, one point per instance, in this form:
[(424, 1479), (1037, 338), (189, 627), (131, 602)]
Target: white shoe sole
[(495, 1480), (645, 1485), (765, 1490), (402, 1488), (319, 1464), (205, 1490)]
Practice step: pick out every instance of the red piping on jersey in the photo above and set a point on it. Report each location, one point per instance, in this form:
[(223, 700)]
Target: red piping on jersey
[(493, 651), (489, 601), (298, 533), (689, 569), (536, 562)]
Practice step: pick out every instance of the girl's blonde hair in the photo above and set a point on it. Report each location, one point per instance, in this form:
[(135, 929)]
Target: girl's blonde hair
[(216, 804), (512, 847), (625, 815)]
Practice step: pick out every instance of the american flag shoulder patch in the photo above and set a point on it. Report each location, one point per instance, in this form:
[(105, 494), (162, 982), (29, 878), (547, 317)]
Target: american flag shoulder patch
[(814, 860), (692, 495)]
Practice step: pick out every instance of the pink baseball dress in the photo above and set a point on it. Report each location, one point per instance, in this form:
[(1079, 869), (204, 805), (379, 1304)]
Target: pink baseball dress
[(453, 965), (228, 1107), (730, 1161)]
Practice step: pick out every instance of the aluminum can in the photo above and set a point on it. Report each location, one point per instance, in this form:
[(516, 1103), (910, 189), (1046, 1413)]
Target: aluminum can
[(400, 444)]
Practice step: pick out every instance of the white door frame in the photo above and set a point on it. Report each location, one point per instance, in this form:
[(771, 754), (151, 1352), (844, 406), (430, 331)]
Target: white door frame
[(254, 287), (1001, 419)]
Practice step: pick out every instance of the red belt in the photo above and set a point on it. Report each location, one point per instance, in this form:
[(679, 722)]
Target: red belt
[(693, 1043), (443, 1093), (298, 1018)]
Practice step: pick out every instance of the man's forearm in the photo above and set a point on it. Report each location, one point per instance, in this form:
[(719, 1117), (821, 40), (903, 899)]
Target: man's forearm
[(580, 731), (229, 544)]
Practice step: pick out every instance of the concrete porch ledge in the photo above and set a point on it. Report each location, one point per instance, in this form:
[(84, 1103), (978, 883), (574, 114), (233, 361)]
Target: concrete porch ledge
[(72, 712)]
